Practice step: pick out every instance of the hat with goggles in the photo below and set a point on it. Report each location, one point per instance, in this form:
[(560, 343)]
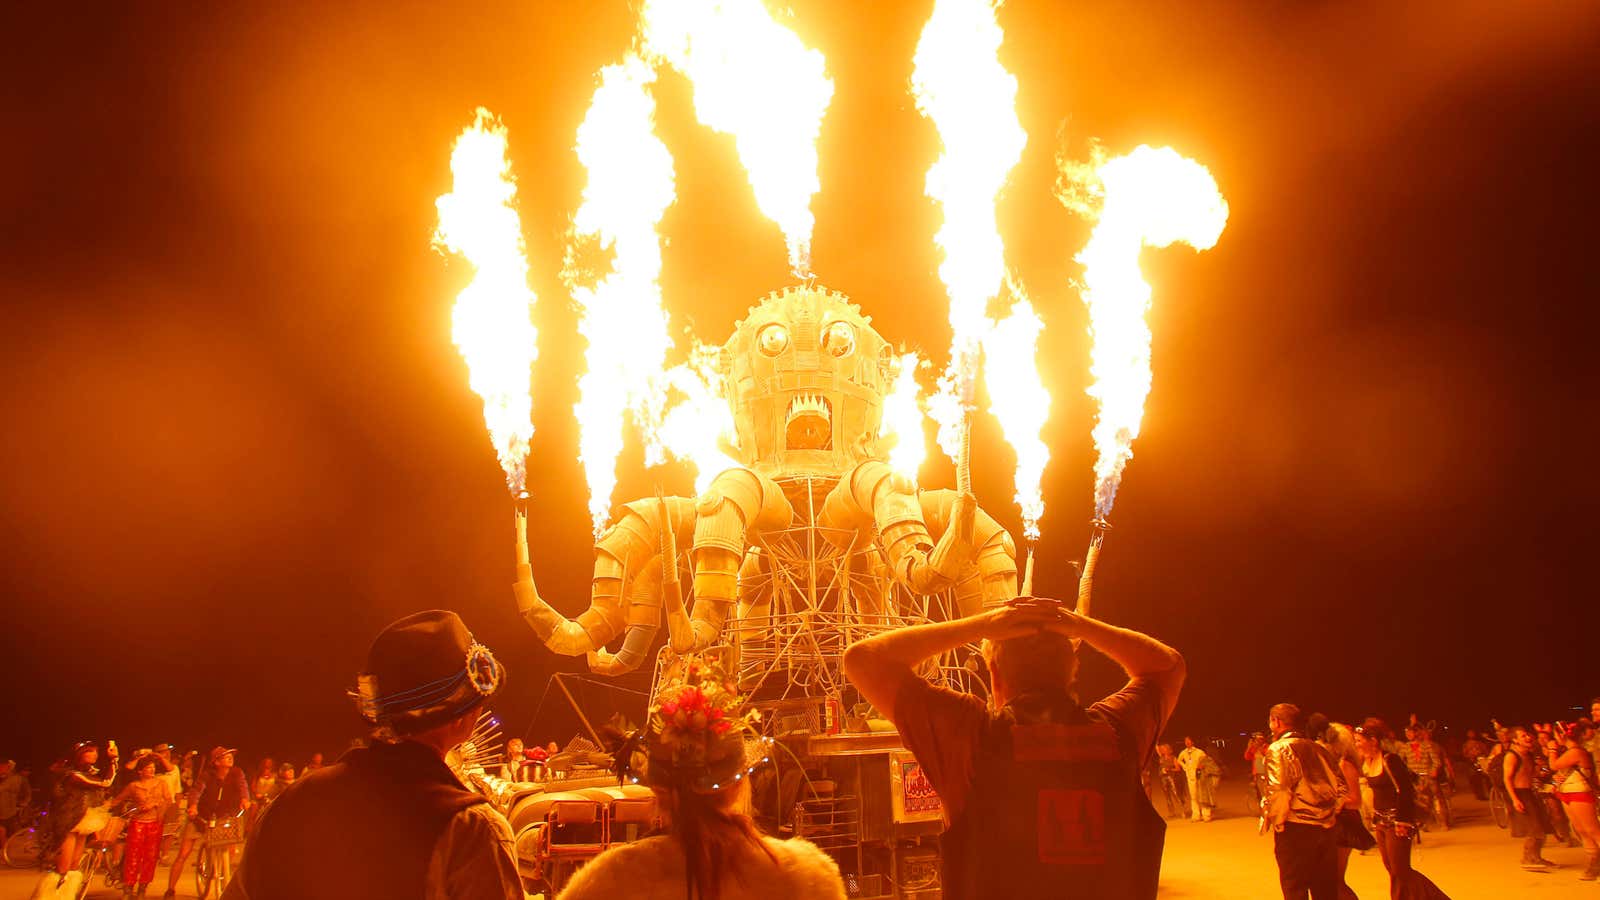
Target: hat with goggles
[(423, 671)]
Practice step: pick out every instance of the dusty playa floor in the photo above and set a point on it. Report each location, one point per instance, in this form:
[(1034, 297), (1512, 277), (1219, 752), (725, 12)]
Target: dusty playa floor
[(1226, 860)]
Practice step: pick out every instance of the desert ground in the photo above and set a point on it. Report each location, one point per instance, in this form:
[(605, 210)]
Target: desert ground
[(1225, 859)]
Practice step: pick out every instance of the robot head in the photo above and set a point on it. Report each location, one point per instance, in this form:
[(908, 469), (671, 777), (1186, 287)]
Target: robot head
[(806, 377)]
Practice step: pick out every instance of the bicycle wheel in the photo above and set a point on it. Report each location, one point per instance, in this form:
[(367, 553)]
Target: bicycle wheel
[(22, 849), (1252, 801), (204, 873), (1499, 808)]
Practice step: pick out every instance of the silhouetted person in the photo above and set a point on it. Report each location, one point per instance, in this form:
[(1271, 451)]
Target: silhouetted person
[(693, 758), (391, 819), (1041, 795)]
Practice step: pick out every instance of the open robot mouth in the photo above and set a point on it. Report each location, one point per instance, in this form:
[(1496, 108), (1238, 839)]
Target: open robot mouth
[(809, 423)]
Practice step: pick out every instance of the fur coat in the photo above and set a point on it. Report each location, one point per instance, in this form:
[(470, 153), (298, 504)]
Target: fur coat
[(652, 869)]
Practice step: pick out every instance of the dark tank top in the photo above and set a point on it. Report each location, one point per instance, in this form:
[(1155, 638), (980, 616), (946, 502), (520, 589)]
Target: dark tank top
[(1388, 795)]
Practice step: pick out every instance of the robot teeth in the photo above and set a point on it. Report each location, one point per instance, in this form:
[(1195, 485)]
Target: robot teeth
[(809, 404)]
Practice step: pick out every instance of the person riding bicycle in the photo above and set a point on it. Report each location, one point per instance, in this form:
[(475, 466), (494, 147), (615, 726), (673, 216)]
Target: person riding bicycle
[(77, 809), (15, 795), (1426, 761), (1474, 750), (221, 793), (1173, 783)]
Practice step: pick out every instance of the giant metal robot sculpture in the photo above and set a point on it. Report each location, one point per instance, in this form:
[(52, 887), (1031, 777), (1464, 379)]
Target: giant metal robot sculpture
[(812, 543)]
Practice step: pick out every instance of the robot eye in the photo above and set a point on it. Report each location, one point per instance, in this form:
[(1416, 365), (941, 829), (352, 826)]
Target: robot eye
[(839, 340), (773, 339)]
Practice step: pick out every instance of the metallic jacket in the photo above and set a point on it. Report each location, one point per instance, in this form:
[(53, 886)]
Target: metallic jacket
[(1304, 785)]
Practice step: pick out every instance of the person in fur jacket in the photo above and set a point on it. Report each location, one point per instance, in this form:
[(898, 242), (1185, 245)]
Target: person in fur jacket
[(694, 760)]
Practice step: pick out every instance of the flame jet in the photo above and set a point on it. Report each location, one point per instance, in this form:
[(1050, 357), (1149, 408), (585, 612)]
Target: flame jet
[(492, 322), (630, 187), (961, 86), (755, 80), (902, 419), (1150, 198), (1018, 399)]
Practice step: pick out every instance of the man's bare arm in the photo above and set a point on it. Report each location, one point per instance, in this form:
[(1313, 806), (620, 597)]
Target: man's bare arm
[(878, 665), (1140, 655)]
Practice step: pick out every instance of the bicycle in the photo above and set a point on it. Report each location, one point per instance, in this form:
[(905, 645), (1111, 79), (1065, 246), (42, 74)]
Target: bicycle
[(1439, 798), (24, 849), (214, 866), (1173, 787), (1252, 797), (1499, 806), (100, 856)]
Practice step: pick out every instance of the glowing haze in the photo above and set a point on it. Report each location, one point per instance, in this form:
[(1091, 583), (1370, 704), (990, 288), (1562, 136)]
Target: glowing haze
[(755, 80), (1149, 198), (630, 186), (492, 322)]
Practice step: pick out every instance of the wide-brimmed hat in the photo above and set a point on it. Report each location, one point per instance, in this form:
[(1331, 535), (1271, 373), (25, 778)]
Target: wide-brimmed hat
[(423, 671), (218, 752)]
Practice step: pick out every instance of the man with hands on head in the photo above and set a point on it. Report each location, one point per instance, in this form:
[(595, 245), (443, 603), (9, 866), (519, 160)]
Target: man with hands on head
[(1041, 794)]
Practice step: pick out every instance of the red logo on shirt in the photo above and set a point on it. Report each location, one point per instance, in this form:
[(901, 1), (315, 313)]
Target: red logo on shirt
[(1066, 743), (1072, 827)]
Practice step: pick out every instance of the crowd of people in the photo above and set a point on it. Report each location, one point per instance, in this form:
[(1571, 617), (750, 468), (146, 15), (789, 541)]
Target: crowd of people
[(1398, 784), (94, 793), (1038, 790)]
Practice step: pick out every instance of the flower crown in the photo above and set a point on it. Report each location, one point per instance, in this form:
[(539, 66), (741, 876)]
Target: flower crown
[(696, 735)]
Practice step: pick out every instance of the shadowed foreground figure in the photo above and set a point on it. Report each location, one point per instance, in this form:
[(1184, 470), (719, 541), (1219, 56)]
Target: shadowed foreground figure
[(694, 757), (391, 820), (1041, 795)]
